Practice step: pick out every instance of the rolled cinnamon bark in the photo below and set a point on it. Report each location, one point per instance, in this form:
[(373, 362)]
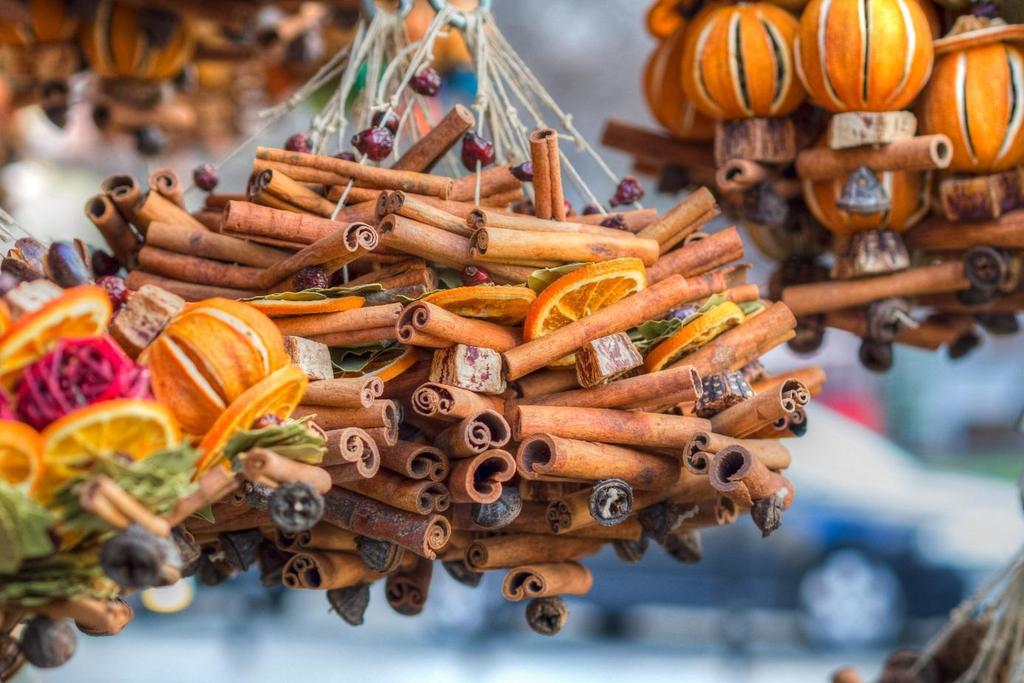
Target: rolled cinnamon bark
[(213, 485), (474, 434), (681, 220), (539, 160), (278, 184), (164, 181), (542, 455), (825, 297), (452, 403), (735, 348), (736, 175), (712, 512), (656, 145), (738, 475), (503, 245), (481, 218), (184, 239), (494, 181), (424, 535), (682, 383), (324, 570), (116, 232), (352, 448), (501, 552), (125, 192), (381, 413), (344, 245), (602, 425), (421, 496), (756, 413), (479, 479), (618, 317), (533, 519), (698, 451), (260, 464), (920, 153), (428, 319), (545, 382), (724, 246), (103, 497), (198, 270), (935, 234), (356, 337), (366, 318), (325, 536), (410, 207), (92, 616), (253, 221), (546, 579), (156, 207), (382, 178), (406, 588), (812, 377), (430, 148), (415, 460), (303, 174), (344, 392)]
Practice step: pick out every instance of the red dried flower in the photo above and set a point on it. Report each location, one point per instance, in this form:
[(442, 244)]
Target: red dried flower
[(6, 406), (77, 373)]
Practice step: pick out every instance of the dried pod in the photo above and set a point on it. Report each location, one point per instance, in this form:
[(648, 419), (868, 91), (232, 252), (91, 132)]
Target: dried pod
[(350, 603), (960, 649), (31, 251), (380, 556), (863, 194), (976, 296), (271, 561), (611, 502), (188, 550), (48, 643), (65, 266), (501, 512), (767, 512), (810, 333), (875, 355), (460, 571), (686, 547), (20, 270), (986, 267), (547, 616), (134, 558), (871, 252), (296, 507), (886, 318), (998, 323), (213, 570), (963, 345), (240, 547), (630, 551)]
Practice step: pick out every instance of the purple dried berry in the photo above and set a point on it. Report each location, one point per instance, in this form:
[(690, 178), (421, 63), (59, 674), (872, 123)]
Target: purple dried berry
[(205, 177), (298, 143), (345, 156), (426, 82), (103, 263), (617, 221), (629, 190), (116, 290), (591, 209), (310, 277), (375, 142), (387, 119), (475, 276), (568, 208), (476, 149), (524, 206), (523, 172)]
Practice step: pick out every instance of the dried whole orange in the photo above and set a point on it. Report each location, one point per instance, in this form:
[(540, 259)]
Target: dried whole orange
[(210, 354)]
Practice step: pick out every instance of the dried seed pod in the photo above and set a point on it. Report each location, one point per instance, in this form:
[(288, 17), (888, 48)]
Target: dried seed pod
[(380, 556), (350, 603), (611, 502), (810, 333), (986, 267), (212, 571), (296, 507), (501, 512), (722, 390), (460, 571), (886, 318), (240, 547), (767, 512), (271, 561), (188, 550), (630, 551), (686, 547), (998, 323), (871, 252), (134, 558), (963, 345), (48, 643), (547, 616), (875, 355)]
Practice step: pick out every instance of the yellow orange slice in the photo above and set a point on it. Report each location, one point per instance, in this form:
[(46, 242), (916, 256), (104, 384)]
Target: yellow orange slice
[(21, 453), (581, 293), (277, 308), (500, 305), (693, 335), (79, 312), (277, 394)]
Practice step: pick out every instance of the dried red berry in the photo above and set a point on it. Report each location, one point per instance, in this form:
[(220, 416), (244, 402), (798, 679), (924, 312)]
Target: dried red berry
[(476, 149), (346, 156), (524, 206), (375, 142), (617, 221), (426, 82), (116, 290), (591, 209), (103, 263), (523, 171), (77, 373), (310, 277), (475, 276), (205, 177), (629, 190), (298, 143), (568, 208), (268, 420), (387, 119)]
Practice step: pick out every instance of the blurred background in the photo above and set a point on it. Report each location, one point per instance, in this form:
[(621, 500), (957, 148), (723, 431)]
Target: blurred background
[(907, 494)]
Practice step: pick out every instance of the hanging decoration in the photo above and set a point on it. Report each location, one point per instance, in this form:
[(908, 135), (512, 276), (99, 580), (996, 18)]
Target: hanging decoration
[(398, 340), (900, 123)]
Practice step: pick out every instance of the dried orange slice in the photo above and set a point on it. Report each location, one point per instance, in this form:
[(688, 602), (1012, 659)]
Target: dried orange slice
[(277, 394), (693, 335), (277, 308), (388, 366), (581, 293), (500, 305), (5, 319), (79, 312), (21, 453), (130, 427)]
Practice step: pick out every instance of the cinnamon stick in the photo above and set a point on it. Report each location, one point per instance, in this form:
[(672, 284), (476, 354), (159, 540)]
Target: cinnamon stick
[(197, 270), (415, 460), (494, 181), (503, 245), (479, 479), (1006, 232), (353, 449), (184, 239), (698, 257), (752, 415), (261, 464), (421, 496), (254, 221), (368, 317), (682, 383), (546, 579), (445, 329), (603, 425), (682, 219), (164, 181), (353, 392), (543, 455), (920, 153), (381, 413), (452, 403), (738, 475), (424, 535), (746, 342), (325, 570), (116, 232), (430, 148), (501, 552), (474, 434)]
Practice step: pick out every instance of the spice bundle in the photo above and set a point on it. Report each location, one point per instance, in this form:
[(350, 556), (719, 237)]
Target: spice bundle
[(838, 189)]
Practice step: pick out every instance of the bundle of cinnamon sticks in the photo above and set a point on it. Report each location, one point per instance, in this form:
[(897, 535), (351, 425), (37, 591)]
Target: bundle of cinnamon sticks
[(464, 420)]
